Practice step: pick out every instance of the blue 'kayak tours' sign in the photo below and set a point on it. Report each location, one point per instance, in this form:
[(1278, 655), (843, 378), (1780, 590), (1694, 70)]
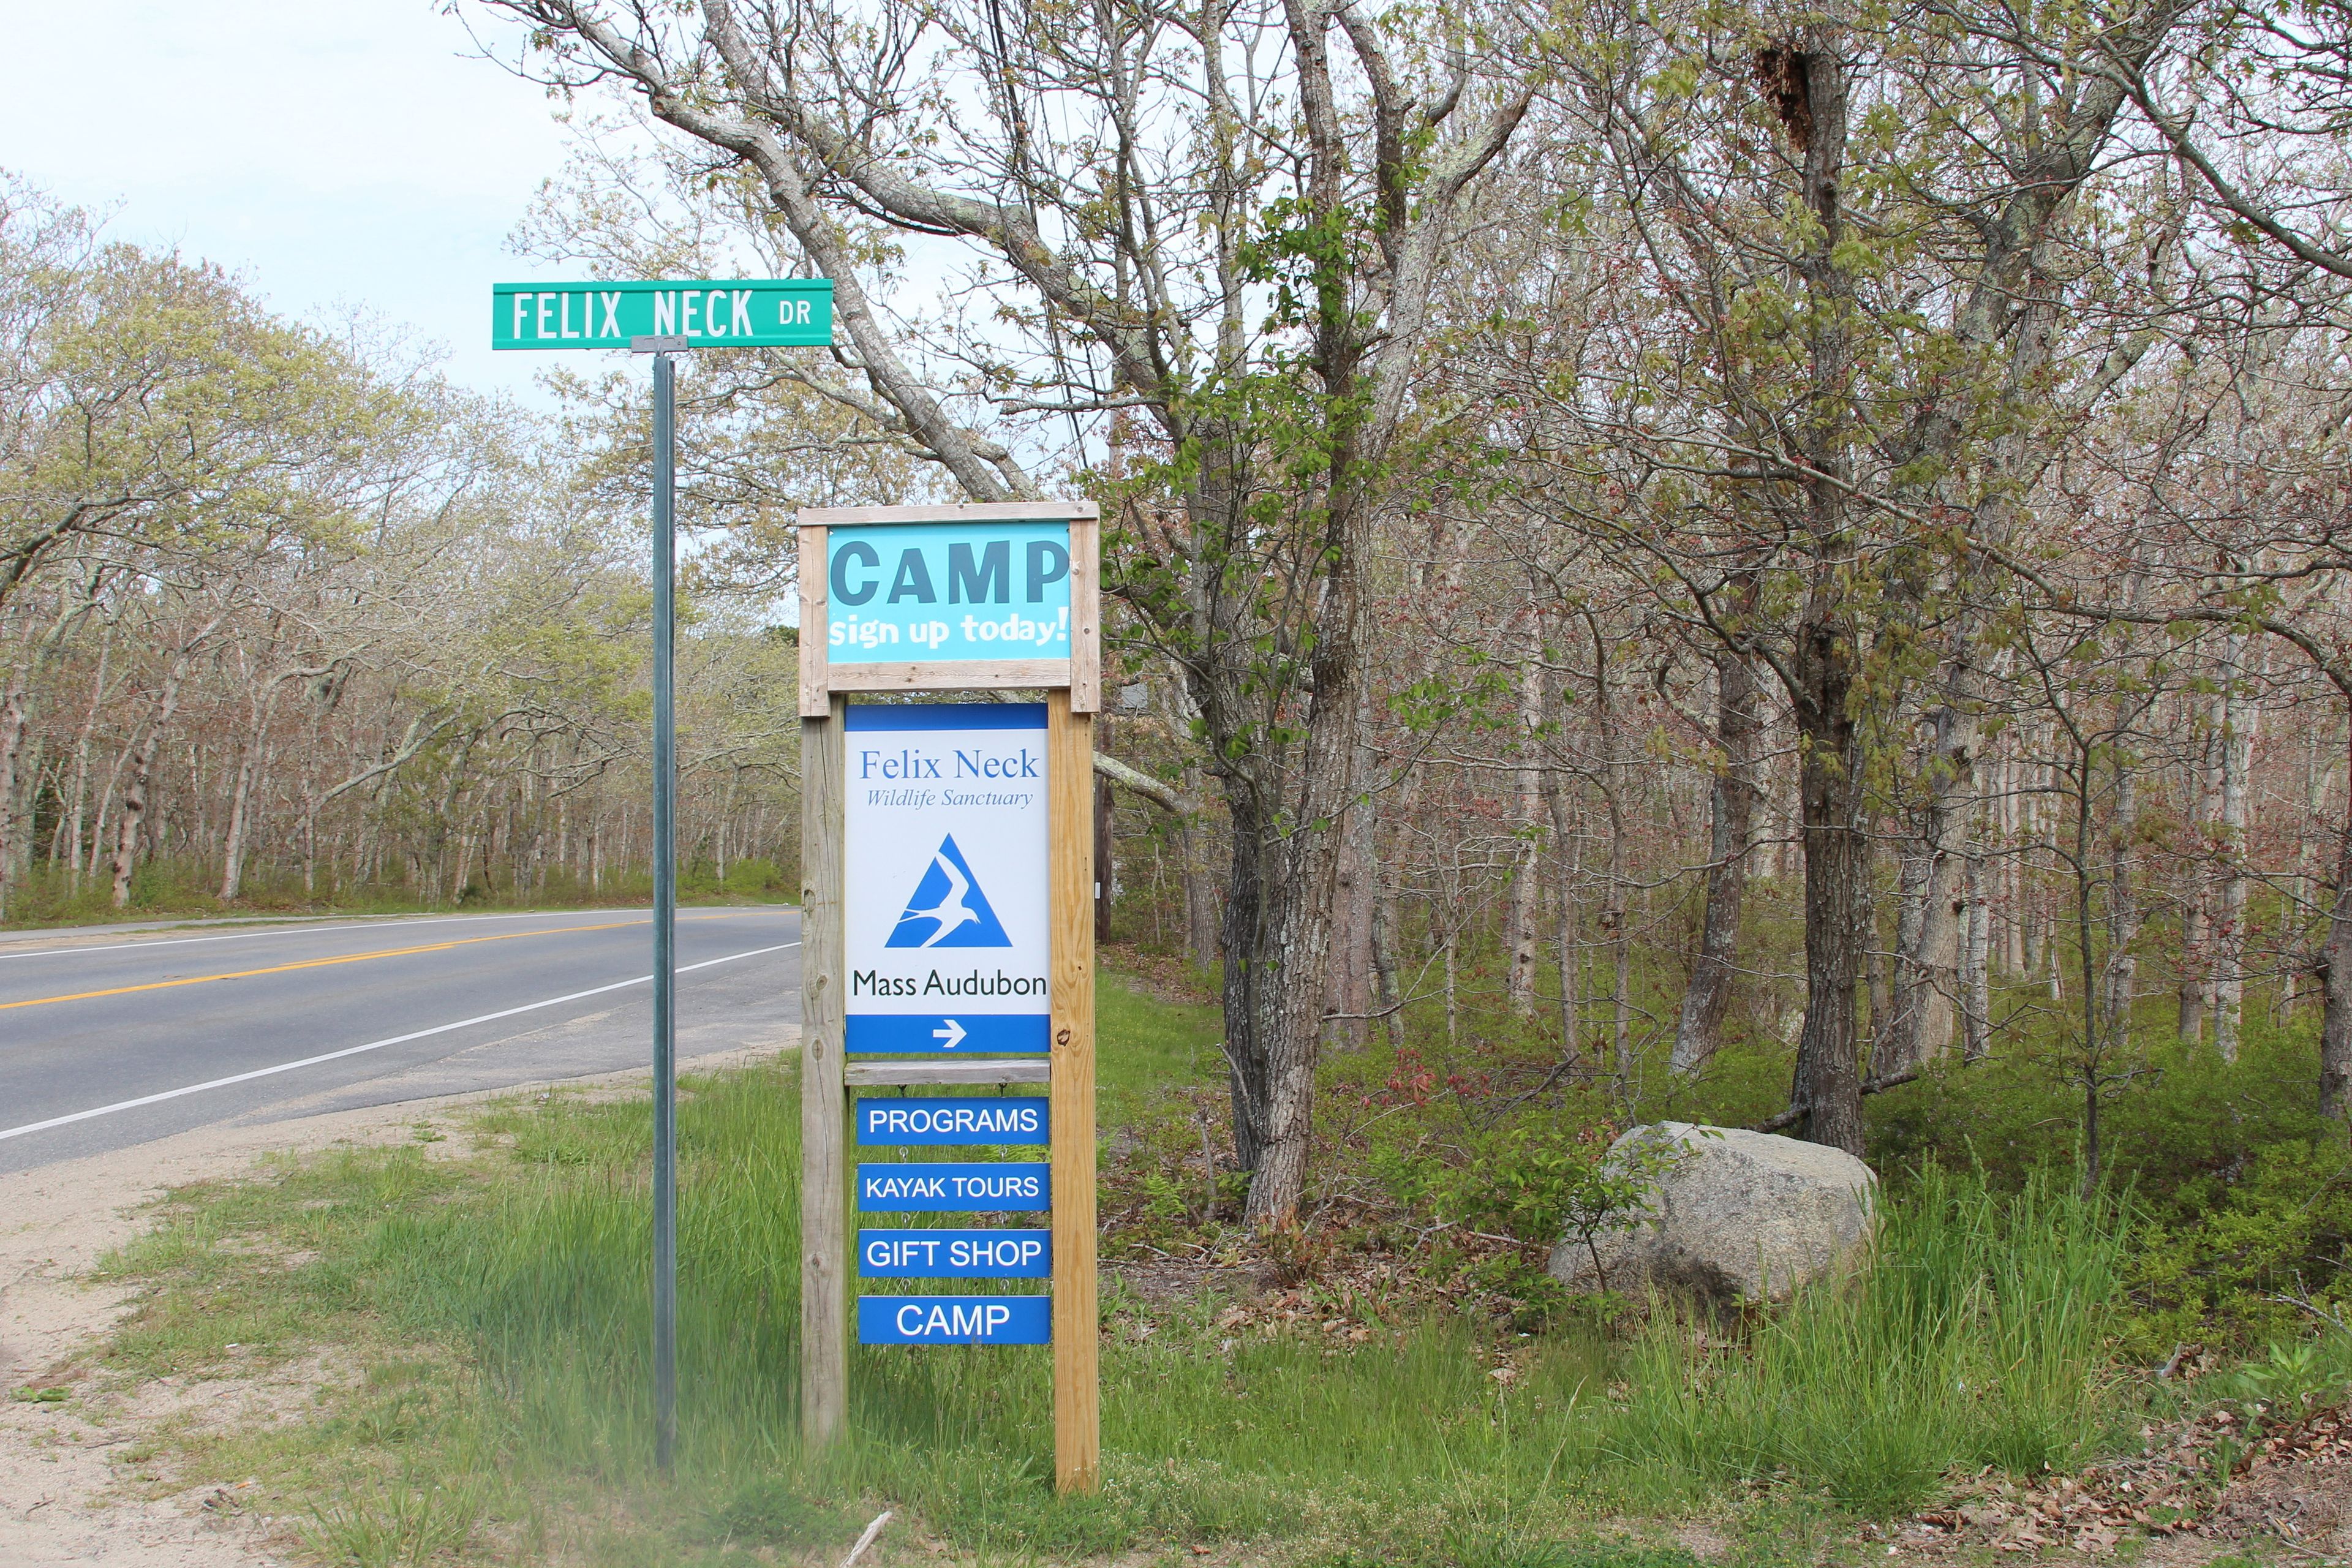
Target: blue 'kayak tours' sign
[(991, 1185)]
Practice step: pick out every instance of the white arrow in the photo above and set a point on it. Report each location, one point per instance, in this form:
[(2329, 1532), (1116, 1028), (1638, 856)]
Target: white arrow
[(952, 1034)]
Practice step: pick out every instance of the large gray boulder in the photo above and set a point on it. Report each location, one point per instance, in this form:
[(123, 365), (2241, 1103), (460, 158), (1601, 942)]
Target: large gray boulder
[(1733, 1216)]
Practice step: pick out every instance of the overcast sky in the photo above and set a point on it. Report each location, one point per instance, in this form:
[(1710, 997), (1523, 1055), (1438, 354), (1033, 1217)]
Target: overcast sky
[(334, 153)]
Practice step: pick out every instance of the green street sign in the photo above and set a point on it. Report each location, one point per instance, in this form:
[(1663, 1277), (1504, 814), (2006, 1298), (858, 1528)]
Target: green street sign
[(714, 313)]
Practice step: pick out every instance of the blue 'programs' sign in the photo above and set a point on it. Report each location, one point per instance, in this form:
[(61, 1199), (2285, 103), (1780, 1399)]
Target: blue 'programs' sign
[(958, 1120), (930, 593), (955, 1320)]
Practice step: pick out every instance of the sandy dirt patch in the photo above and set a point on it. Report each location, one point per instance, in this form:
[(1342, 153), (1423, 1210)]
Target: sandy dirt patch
[(76, 1485)]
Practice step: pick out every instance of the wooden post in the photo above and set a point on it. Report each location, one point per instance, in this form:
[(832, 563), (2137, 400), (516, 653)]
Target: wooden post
[(1085, 616), (824, 1218), (815, 689), (1077, 1342)]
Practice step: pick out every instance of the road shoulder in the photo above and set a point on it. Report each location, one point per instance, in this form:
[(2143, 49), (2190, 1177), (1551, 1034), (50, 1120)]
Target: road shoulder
[(77, 1481)]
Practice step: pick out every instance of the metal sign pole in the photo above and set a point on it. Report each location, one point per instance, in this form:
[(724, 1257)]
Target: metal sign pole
[(665, 917), (662, 317)]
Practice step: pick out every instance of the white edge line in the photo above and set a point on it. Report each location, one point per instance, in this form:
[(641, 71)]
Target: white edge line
[(299, 928), (9, 1133)]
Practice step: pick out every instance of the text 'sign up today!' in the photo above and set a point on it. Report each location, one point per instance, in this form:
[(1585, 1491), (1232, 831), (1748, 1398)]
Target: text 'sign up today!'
[(945, 910)]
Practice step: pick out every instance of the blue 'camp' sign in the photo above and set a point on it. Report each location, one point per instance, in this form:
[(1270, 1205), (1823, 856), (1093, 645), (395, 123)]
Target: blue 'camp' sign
[(961, 1121), (993, 1185), (955, 1320), (932, 592), (955, 1254)]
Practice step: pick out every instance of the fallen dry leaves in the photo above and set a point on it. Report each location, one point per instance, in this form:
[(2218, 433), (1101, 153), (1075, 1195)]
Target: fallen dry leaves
[(2287, 1482)]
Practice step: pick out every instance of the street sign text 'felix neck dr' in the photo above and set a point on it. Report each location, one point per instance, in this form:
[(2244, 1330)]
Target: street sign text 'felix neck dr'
[(714, 313)]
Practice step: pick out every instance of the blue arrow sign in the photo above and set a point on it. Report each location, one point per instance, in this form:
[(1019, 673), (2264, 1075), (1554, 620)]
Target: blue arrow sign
[(955, 1254), (955, 1320), (994, 1185), (961, 1121), (965, 1035)]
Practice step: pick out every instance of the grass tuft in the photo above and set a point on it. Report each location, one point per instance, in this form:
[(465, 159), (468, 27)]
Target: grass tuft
[(1978, 1338)]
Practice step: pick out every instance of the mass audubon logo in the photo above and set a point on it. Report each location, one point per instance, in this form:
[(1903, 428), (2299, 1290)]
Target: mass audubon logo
[(947, 909)]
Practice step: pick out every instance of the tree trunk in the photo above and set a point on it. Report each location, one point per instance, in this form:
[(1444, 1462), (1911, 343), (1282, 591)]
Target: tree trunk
[(1827, 1090), (240, 798), (1522, 944), (2336, 974), (1699, 1031), (83, 855), (1888, 990), (2122, 976), (1828, 1086), (1976, 962), (465, 867), (1204, 922), (1614, 912), (1386, 992), (12, 749), (1280, 903), (2236, 743), (1928, 946), (2309, 877), (1356, 906), (251, 757), (1877, 951), (2196, 924), (1106, 868), (131, 818), (1571, 865)]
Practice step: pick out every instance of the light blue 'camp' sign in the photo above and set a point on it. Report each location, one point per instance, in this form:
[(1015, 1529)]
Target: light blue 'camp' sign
[(929, 592)]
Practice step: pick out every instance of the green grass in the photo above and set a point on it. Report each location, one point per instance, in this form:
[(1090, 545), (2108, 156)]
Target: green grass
[(493, 1307), (1977, 1340), (1149, 1045)]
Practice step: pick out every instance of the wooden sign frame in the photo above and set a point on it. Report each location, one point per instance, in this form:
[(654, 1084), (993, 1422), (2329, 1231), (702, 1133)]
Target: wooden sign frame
[(828, 1221)]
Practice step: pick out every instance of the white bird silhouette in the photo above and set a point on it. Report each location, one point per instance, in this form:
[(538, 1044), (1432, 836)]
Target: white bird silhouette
[(951, 912)]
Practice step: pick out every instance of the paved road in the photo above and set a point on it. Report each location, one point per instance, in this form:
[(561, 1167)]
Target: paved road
[(108, 1039)]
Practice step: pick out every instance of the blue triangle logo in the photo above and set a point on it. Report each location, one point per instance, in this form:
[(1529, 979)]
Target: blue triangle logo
[(948, 910)]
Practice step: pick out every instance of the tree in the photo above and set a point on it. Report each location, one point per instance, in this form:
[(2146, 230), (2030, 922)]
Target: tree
[(1851, 381), (1230, 221)]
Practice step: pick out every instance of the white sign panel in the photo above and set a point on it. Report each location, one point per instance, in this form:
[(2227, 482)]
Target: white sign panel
[(945, 906)]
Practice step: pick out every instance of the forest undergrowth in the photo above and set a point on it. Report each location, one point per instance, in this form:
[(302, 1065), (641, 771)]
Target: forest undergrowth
[(1394, 1382)]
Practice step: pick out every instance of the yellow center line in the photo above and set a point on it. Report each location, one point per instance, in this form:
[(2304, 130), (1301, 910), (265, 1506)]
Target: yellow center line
[(323, 962)]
